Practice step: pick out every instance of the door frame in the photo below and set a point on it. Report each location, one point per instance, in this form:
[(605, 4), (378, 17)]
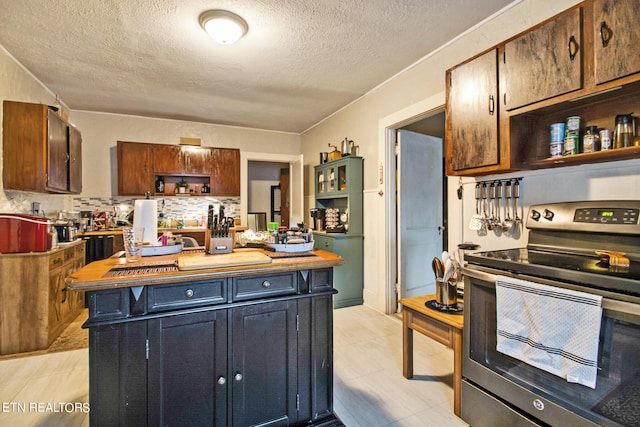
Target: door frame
[(385, 297), (296, 189)]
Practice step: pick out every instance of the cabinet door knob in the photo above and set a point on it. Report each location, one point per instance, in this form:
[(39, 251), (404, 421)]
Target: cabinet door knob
[(188, 293), (222, 380), (265, 284), (573, 47), (238, 377), (605, 33)]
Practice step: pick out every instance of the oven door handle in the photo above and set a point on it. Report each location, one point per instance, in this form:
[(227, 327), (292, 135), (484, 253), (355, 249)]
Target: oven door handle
[(621, 310), (628, 311)]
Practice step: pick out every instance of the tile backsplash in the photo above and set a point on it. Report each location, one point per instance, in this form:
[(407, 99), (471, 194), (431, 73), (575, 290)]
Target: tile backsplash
[(186, 208)]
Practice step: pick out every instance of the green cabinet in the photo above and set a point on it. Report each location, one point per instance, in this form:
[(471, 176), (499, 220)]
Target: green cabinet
[(339, 185)]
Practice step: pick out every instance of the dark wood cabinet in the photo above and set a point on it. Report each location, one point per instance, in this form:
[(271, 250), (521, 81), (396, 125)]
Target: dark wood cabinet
[(197, 359), (57, 153), (197, 160), (167, 159), (135, 168), (225, 173), (75, 160), (616, 39), (41, 151), (142, 165), (472, 115), (540, 84), (544, 62)]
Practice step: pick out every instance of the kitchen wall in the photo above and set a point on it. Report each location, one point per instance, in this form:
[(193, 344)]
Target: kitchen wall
[(414, 93), (100, 131)]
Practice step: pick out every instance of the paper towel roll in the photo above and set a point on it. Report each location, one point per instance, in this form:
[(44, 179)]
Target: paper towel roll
[(145, 215)]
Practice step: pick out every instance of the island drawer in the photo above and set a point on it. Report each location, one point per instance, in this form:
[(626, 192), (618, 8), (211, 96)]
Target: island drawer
[(246, 288), (184, 295)]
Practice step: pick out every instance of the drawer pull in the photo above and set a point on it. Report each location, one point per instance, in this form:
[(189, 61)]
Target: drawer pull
[(238, 377), (266, 284), (188, 293), (222, 380)]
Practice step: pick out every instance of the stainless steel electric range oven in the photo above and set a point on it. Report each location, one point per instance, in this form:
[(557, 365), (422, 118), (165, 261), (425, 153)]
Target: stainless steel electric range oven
[(572, 246)]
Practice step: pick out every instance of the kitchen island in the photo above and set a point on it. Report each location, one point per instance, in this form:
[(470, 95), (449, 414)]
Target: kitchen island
[(246, 342)]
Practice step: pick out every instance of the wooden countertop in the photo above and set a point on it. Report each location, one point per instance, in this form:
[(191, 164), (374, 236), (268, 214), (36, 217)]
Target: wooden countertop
[(60, 247), (92, 276), (418, 304), (174, 230)]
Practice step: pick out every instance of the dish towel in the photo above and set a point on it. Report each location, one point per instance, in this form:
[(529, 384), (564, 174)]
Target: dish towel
[(553, 329)]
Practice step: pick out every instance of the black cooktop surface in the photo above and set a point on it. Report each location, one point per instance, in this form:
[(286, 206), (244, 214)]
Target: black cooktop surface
[(580, 269)]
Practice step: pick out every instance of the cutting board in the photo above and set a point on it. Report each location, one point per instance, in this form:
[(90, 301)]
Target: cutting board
[(200, 261)]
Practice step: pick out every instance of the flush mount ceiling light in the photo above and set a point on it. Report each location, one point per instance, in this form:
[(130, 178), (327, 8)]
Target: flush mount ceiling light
[(223, 26)]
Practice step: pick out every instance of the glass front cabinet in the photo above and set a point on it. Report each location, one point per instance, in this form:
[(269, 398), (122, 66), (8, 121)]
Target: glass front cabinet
[(333, 178), (338, 191)]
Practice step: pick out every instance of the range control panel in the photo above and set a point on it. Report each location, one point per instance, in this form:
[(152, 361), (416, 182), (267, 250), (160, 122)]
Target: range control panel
[(607, 216), (593, 216)]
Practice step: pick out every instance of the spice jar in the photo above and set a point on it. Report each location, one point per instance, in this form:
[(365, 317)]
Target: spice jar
[(591, 140), (624, 131)]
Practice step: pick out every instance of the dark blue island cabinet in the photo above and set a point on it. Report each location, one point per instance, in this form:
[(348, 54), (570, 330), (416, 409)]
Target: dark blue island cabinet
[(229, 348)]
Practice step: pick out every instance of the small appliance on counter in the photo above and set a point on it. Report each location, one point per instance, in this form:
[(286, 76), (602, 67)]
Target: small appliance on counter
[(66, 230), (318, 215), (24, 233)]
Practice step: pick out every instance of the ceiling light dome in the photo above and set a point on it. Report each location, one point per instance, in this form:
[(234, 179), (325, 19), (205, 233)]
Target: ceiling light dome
[(223, 26)]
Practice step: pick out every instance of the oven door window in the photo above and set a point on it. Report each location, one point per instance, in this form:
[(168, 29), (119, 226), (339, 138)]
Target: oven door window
[(616, 398)]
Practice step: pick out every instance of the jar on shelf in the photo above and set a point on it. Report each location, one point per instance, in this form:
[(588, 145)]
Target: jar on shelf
[(590, 140)]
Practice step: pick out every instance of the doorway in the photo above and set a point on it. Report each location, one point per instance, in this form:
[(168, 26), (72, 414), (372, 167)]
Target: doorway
[(263, 179), (275, 162), (420, 204)]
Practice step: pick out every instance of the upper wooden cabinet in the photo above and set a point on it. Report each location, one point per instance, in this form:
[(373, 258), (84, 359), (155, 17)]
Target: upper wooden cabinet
[(41, 151), (167, 159), (472, 114), (176, 159), (141, 166), (225, 172), (544, 62), (582, 62), (135, 168), (198, 160), (616, 39)]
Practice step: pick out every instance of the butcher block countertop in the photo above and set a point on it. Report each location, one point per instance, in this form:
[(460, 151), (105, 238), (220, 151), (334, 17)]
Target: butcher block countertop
[(101, 275)]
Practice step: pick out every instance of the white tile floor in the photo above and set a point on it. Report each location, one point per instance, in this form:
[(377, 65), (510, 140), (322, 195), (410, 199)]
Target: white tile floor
[(369, 389)]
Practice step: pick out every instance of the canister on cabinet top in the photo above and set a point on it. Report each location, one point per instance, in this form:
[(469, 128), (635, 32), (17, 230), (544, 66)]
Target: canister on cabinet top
[(572, 136), (557, 132), (573, 124), (571, 144), (557, 139), (591, 140), (605, 139)]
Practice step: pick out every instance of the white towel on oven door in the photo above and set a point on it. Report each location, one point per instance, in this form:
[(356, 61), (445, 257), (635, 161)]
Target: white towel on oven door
[(551, 328)]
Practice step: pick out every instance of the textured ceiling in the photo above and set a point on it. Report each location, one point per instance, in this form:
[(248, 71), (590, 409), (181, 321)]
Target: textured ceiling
[(300, 61)]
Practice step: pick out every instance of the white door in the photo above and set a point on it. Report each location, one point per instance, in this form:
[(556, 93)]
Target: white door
[(419, 204)]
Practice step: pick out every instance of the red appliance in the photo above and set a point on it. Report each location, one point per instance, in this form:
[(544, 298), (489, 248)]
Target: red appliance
[(24, 233)]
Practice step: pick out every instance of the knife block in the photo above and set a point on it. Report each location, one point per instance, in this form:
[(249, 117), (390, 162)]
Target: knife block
[(220, 245)]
